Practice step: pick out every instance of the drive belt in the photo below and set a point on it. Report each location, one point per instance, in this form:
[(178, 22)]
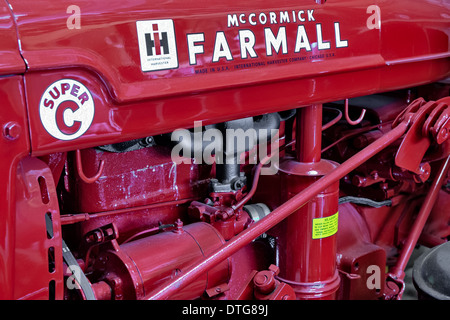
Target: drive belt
[(78, 274)]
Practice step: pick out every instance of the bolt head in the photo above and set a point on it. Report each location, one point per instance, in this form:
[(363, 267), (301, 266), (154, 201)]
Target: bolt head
[(443, 133), (264, 281), (261, 279), (12, 130)]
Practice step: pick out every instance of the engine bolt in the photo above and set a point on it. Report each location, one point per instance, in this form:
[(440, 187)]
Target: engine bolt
[(264, 281), (12, 130)]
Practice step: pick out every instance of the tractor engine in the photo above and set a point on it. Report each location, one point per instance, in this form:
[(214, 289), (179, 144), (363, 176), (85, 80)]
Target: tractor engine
[(296, 150)]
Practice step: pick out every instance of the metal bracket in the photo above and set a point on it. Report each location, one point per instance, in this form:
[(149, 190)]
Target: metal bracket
[(429, 122)]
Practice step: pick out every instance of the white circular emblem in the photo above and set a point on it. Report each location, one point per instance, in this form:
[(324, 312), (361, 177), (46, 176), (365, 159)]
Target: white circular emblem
[(66, 109)]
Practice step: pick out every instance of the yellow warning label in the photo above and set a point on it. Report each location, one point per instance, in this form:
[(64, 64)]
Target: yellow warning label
[(325, 227)]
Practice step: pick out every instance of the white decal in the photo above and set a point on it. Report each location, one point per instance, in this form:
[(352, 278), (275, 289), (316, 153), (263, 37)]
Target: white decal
[(236, 20), (275, 41), (247, 42), (157, 45), (302, 40), (339, 42), (66, 109), (221, 48), (195, 48)]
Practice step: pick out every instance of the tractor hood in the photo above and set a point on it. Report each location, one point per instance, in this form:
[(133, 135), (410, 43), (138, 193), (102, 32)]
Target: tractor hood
[(10, 60), (146, 49)]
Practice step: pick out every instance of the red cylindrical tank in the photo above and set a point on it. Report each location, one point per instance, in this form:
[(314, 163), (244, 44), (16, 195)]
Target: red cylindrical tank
[(136, 268), (306, 240)]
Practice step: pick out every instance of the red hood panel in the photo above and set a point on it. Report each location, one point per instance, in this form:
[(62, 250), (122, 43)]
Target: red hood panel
[(146, 49), (10, 60)]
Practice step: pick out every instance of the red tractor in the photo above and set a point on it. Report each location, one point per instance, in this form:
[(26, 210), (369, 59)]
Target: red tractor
[(232, 150)]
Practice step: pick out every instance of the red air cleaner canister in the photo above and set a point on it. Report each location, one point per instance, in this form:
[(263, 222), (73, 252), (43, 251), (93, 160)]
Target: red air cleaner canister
[(306, 240)]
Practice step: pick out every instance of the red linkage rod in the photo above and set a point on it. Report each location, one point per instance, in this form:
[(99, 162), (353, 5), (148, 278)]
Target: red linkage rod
[(416, 230)]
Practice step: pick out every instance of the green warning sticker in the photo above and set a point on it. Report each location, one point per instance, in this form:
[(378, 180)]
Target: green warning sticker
[(325, 227)]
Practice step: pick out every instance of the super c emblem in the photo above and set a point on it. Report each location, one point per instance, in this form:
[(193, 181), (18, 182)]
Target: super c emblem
[(66, 109)]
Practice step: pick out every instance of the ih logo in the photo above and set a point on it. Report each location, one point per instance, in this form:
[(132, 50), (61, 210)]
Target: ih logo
[(157, 45), (158, 42)]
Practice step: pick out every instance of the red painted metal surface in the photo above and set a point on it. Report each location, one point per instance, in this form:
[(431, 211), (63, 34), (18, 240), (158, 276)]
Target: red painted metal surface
[(414, 234), (128, 99), (141, 265), (435, 231), (299, 249), (277, 215), (309, 134), (37, 278), (11, 150), (11, 61), (244, 264), (144, 177), (79, 76), (356, 252)]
